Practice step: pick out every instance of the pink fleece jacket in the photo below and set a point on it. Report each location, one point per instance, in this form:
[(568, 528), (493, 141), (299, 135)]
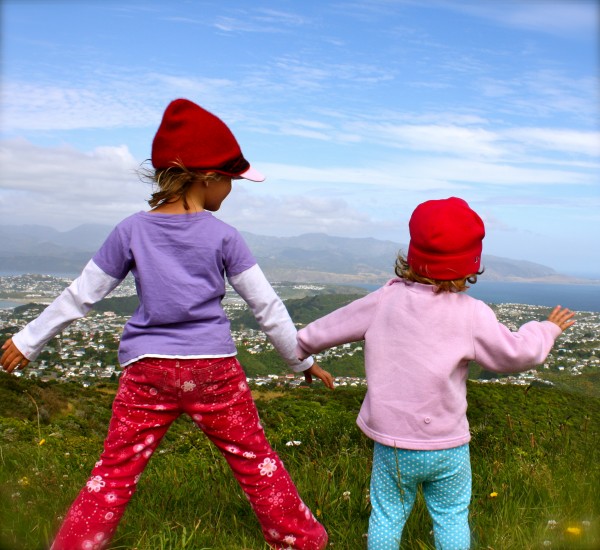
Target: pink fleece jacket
[(418, 345)]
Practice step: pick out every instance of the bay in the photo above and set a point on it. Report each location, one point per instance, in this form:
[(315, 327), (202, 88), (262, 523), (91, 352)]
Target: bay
[(8, 304), (578, 297)]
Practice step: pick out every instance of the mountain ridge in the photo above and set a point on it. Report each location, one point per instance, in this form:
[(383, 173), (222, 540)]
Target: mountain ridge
[(307, 258)]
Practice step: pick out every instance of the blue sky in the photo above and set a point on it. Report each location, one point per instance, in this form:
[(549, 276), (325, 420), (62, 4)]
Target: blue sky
[(355, 111)]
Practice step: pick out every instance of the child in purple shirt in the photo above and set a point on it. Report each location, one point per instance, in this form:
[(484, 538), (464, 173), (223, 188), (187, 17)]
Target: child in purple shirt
[(177, 346), (421, 330)]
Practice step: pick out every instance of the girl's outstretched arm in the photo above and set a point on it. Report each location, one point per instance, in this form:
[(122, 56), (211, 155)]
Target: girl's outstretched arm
[(271, 314), (499, 349), (73, 303), (562, 317)]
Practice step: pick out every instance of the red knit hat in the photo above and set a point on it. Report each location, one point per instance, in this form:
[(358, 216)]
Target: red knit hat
[(445, 240), (190, 135)]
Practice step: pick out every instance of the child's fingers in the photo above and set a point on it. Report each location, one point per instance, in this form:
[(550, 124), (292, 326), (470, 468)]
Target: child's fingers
[(10, 362), (322, 375), (5, 359), (328, 380), (562, 317)]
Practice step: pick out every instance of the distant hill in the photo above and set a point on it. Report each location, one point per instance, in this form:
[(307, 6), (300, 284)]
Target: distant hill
[(42, 249), (309, 258)]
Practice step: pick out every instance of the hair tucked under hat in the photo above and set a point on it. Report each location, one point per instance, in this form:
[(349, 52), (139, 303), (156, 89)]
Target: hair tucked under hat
[(445, 239), (195, 138)]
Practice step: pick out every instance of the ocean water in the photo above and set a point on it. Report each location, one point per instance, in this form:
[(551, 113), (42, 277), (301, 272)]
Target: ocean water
[(578, 297), (7, 304)]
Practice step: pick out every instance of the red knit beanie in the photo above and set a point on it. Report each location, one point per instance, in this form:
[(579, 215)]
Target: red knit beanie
[(445, 240), (190, 135)]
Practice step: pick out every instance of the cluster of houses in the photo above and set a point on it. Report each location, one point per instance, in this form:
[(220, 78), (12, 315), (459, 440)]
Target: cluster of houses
[(86, 350)]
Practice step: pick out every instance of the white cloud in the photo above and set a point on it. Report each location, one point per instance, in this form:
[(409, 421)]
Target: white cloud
[(29, 107), (260, 20), (389, 175), (557, 139), (114, 100), (63, 187), (553, 16), (545, 16), (501, 174), (295, 215), (458, 140)]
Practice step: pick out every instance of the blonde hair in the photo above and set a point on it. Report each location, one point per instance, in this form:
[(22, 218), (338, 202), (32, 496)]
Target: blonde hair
[(172, 183), (404, 271)]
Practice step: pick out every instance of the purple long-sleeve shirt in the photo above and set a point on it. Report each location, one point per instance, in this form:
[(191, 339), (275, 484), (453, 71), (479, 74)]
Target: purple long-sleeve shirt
[(418, 345), (179, 262)]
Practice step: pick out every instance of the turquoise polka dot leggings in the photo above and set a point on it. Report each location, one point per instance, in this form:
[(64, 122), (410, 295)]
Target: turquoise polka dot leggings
[(445, 477)]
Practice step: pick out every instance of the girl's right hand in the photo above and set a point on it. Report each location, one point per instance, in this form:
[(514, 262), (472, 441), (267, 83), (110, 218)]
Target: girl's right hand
[(562, 317), (321, 374), (12, 358)]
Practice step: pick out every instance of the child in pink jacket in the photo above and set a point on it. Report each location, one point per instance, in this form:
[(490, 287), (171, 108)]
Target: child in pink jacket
[(421, 330)]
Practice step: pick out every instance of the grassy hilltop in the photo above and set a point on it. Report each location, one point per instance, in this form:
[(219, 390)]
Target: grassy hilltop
[(535, 459)]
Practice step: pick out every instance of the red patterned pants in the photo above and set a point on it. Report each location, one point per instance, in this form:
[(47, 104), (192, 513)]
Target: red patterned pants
[(214, 392)]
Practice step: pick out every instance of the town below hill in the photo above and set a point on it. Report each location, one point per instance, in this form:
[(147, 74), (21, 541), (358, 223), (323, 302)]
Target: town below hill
[(309, 258), (87, 350)]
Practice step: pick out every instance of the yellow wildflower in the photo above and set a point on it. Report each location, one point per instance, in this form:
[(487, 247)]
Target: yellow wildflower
[(42, 441), (575, 531), (493, 495), (24, 482)]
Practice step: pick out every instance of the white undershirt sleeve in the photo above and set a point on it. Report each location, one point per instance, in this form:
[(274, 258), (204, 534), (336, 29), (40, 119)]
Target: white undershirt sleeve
[(271, 314), (73, 303)]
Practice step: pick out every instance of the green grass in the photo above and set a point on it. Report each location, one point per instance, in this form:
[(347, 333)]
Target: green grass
[(536, 448)]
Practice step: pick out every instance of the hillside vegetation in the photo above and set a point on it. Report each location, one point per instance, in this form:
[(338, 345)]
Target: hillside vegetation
[(301, 310), (535, 459)]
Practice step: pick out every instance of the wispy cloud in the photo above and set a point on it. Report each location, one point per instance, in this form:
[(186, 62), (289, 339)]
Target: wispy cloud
[(260, 20), (545, 16), (433, 173), (38, 107), (111, 100), (456, 140), (546, 94), (577, 142)]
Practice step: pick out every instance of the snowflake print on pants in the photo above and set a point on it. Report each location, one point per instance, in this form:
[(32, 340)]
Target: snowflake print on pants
[(148, 402), (267, 467), (95, 484)]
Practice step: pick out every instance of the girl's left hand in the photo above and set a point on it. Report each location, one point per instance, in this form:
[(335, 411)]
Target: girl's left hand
[(321, 374), (562, 317)]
